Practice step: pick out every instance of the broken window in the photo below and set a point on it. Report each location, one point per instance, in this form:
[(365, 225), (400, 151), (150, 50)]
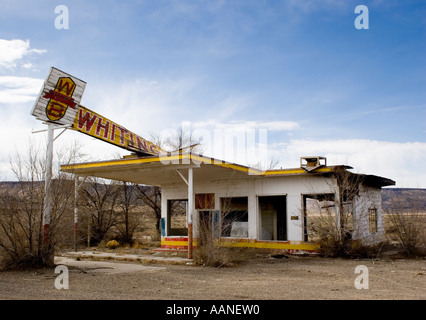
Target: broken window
[(176, 217), (319, 215), (234, 217), (273, 217)]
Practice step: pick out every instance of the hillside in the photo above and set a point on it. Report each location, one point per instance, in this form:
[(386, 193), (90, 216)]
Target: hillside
[(404, 198)]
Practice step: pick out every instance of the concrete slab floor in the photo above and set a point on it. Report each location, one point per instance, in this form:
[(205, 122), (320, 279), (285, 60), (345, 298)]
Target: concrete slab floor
[(105, 266)]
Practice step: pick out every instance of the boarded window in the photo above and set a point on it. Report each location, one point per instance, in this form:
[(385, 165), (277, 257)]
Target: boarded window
[(372, 219), (204, 201)]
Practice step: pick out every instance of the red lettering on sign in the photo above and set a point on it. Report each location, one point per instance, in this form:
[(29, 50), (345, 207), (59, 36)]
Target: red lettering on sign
[(66, 86), (55, 109), (112, 137), (87, 120), (122, 134), (104, 127), (141, 143), (131, 140), (153, 148)]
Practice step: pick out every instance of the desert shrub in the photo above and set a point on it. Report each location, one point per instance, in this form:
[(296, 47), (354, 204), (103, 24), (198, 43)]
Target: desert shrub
[(407, 229), (208, 252), (214, 251), (112, 244)]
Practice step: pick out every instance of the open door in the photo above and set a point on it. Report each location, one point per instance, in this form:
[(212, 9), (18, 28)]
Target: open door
[(273, 217)]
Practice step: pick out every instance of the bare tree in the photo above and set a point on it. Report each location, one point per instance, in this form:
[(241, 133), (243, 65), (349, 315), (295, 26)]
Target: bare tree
[(21, 215), (128, 220), (183, 138), (151, 196), (99, 199), (329, 217)]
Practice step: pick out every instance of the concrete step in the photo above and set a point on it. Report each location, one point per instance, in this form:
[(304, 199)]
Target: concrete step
[(144, 259)]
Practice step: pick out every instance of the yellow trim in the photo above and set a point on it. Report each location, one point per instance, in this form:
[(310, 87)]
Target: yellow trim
[(174, 243), (178, 243), (244, 243), (271, 245), (197, 158)]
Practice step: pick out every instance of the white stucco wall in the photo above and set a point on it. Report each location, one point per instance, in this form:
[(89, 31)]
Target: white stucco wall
[(368, 198), (293, 187)]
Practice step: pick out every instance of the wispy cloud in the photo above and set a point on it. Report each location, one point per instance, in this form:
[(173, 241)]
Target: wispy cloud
[(394, 160), (246, 125), (13, 51), (19, 89)]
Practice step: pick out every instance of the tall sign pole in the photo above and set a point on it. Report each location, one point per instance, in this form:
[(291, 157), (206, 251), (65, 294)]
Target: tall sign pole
[(47, 188), (76, 187), (190, 210)]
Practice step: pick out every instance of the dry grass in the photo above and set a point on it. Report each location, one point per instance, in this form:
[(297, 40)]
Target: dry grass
[(407, 230)]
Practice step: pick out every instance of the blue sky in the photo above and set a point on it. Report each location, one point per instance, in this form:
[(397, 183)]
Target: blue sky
[(299, 69)]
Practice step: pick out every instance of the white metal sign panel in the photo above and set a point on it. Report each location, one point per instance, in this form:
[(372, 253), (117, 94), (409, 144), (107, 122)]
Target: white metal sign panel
[(59, 98)]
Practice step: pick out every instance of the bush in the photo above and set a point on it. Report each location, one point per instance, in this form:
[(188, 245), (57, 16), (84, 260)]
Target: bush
[(112, 244), (407, 229)]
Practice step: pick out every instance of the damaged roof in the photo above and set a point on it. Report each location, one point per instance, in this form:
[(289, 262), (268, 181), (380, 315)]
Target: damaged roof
[(163, 169)]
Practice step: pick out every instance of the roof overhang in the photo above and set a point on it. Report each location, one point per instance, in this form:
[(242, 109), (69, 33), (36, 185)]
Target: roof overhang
[(376, 181), (163, 170)]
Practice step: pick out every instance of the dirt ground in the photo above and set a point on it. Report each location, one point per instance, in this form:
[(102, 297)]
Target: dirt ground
[(293, 277)]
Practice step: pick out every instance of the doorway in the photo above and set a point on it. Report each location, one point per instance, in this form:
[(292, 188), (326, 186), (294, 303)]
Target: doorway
[(273, 217), (319, 214), (176, 217)]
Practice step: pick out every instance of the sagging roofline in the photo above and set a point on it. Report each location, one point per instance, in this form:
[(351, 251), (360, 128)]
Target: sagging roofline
[(191, 158)]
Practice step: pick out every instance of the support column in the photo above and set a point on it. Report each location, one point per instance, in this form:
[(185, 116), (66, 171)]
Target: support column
[(190, 210), (76, 187), (48, 195)]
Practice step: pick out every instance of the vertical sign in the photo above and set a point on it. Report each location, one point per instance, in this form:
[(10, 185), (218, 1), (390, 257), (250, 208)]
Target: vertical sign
[(59, 98)]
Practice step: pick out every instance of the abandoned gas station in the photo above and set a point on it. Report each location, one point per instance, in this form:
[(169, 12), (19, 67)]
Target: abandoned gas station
[(246, 207), (241, 206)]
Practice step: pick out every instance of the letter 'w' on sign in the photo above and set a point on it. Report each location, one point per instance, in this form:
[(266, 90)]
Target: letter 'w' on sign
[(59, 98), (58, 103)]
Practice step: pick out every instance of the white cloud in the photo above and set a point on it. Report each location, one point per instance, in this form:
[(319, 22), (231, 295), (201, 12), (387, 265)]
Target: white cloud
[(12, 51), (401, 162), (141, 105), (19, 89), (243, 142), (246, 125)]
